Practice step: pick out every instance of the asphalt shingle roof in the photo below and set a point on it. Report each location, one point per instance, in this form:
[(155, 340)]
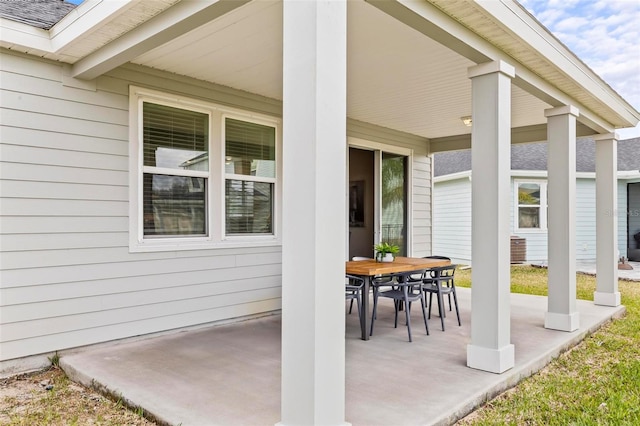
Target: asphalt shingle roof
[(37, 13), (533, 156)]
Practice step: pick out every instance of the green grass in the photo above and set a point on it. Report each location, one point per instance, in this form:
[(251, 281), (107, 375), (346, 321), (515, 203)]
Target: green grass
[(595, 383)]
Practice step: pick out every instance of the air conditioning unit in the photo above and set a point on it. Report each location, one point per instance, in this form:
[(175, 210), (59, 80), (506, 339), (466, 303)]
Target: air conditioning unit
[(518, 250)]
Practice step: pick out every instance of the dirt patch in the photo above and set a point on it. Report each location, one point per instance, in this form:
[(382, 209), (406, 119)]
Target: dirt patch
[(50, 398)]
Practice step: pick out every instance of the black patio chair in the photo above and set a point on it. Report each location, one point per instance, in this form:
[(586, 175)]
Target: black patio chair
[(353, 291), (356, 258), (402, 292), (441, 281)]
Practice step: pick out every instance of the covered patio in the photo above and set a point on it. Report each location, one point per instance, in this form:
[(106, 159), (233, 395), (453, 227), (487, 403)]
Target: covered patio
[(326, 75), (230, 374)]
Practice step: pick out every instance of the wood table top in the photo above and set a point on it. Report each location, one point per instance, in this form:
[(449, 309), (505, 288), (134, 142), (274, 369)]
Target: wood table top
[(400, 264)]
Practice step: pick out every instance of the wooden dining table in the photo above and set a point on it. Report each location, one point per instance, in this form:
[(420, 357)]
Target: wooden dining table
[(370, 268)]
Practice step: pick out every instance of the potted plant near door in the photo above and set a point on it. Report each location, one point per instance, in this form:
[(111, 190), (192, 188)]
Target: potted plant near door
[(386, 252)]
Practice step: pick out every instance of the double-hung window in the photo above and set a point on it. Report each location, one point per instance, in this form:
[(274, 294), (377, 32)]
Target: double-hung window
[(175, 171), (531, 210), (250, 177), (202, 175)]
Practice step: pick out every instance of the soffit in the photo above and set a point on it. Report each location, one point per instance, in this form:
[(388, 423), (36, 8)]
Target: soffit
[(397, 77), (87, 28), (127, 19), (476, 18)]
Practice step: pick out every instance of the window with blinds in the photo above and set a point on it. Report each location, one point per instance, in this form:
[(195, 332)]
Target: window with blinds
[(250, 170), (206, 174), (175, 171)]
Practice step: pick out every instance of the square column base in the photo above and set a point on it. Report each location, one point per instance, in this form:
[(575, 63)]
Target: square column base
[(562, 322), (606, 299), (491, 360)]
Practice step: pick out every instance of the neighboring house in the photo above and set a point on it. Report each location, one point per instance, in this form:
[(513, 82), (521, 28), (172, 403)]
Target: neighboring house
[(528, 220), (168, 164)]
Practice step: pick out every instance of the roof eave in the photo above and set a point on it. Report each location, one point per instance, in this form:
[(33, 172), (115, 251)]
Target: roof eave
[(518, 21)]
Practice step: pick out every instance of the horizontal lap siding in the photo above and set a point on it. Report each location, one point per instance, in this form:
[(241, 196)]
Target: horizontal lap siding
[(537, 241), (625, 234), (68, 278), (585, 219), (452, 220)]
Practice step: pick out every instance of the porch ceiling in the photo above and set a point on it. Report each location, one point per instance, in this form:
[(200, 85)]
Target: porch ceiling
[(428, 93)]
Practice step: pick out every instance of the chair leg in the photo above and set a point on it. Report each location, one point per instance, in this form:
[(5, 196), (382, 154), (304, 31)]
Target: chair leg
[(455, 300), (407, 313), (375, 310), (395, 321), (350, 306), (441, 309), (424, 314)]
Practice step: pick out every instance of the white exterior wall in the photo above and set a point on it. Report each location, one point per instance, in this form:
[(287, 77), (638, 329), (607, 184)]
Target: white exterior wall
[(622, 217), (585, 226), (585, 219), (452, 220), (68, 278)]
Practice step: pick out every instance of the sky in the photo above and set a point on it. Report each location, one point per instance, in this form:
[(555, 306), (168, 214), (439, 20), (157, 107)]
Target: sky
[(605, 35)]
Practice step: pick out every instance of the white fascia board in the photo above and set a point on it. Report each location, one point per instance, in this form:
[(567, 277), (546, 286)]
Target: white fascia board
[(518, 21), (542, 174), (437, 25), (86, 18), (453, 176), (174, 22), (533, 174), (19, 34), (630, 174)]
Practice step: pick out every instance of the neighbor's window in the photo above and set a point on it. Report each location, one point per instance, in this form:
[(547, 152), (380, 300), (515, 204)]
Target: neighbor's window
[(207, 175), (531, 205), (175, 171)]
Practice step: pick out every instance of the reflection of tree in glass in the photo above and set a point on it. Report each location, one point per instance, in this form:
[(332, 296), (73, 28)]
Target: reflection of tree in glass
[(392, 181), (393, 200)]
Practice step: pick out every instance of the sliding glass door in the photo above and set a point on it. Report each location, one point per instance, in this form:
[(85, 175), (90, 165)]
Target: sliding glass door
[(393, 213), (378, 198)]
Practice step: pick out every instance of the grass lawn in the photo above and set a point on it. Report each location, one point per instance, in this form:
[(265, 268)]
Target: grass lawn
[(595, 383)]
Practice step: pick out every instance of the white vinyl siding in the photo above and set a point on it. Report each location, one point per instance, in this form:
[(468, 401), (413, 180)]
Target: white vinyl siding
[(630, 213), (452, 220), (585, 219), (68, 278)]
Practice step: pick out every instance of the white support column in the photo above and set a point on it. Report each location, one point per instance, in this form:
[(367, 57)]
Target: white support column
[(607, 221), (490, 348), (314, 174), (562, 313)]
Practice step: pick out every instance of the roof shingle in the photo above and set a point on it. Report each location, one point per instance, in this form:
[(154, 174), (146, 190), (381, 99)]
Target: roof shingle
[(37, 13), (533, 156)]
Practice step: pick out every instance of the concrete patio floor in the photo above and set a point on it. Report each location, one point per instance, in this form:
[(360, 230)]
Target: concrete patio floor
[(230, 374)]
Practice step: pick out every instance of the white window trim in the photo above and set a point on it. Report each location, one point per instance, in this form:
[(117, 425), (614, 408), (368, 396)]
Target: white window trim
[(543, 206), (216, 237)]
